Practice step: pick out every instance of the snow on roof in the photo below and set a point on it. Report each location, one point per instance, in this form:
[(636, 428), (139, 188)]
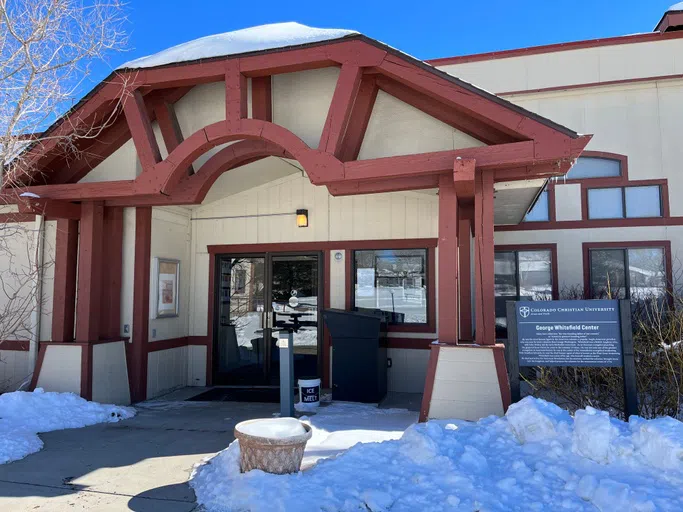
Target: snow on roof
[(263, 37), (676, 7)]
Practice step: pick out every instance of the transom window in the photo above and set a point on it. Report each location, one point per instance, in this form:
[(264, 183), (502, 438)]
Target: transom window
[(521, 275), (394, 281), (637, 273), (625, 202), (540, 211), (594, 167)]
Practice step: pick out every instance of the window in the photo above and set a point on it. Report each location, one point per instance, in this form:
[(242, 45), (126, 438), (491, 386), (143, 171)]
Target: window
[(394, 281), (540, 210), (521, 275), (592, 167), (637, 273), (625, 202)]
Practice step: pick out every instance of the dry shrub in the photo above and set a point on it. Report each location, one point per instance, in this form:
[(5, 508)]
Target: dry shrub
[(658, 349)]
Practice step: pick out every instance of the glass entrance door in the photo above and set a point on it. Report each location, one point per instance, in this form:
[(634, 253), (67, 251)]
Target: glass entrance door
[(256, 296)]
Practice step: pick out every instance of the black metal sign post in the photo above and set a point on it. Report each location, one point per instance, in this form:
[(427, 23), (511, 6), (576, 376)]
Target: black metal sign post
[(584, 333)]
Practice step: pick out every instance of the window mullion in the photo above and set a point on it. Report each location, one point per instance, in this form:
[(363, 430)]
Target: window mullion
[(627, 275), (517, 275), (623, 201)]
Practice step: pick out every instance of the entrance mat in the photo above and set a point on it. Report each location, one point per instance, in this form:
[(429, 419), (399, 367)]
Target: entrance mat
[(261, 395)]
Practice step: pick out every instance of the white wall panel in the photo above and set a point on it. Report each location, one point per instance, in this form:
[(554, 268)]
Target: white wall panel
[(568, 201), (13, 369), (110, 373), (396, 128), (301, 101), (166, 370)]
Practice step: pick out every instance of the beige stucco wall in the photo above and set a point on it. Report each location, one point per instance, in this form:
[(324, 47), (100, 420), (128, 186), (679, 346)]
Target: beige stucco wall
[(110, 373), (465, 385), (589, 65), (567, 201), (61, 369), (171, 240)]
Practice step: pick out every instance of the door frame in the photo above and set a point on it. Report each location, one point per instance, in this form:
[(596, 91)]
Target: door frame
[(214, 307)]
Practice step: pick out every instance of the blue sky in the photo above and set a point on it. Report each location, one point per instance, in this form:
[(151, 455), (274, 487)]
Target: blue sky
[(426, 29)]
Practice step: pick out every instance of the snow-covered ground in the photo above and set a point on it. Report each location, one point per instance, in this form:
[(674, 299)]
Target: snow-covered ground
[(23, 415), (536, 458)]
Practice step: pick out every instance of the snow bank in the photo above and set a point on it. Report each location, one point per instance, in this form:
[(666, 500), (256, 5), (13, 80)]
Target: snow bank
[(537, 458), (23, 415), (263, 37)]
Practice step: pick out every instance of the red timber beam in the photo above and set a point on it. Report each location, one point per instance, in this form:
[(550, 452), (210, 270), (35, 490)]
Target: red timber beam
[(465, 220), (360, 117), (50, 208), (484, 259), (165, 115), (340, 109), (64, 295), (88, 114), (137, 350), (70, 170), (141, 130), (90, 268), (550, 143)]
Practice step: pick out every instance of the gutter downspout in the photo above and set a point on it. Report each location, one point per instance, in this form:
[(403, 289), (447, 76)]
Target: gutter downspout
[(37, 309)]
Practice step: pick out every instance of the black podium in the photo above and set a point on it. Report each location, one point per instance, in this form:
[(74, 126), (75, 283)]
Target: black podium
[(359, 354)]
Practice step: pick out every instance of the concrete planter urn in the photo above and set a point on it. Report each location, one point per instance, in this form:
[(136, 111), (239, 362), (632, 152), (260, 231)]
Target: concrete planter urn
[(273, 445)]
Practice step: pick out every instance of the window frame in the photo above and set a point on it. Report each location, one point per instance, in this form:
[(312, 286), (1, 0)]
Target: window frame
[(622, 188), (430, 282), (588, 247), (517, 248)]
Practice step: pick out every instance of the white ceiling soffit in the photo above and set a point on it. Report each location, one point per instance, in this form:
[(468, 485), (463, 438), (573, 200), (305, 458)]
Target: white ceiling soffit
[(249, 176), (513, 199)]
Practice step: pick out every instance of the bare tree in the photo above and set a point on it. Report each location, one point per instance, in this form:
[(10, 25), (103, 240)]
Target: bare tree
[(47, 52)]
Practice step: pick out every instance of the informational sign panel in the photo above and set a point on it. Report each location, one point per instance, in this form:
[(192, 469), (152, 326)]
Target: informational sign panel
[(569, 333), (592, 333)]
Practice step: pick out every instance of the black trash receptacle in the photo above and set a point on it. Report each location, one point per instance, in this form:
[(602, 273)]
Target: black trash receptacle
[(359, 354)]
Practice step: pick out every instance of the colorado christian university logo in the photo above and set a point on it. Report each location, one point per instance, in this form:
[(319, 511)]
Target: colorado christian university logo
[(524, 311)]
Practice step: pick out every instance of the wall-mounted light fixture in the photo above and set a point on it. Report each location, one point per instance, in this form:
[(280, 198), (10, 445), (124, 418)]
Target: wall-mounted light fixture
[(302, 218)]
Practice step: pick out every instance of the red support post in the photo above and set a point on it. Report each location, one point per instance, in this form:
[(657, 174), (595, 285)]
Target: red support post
[(448, 261), (465, 215), (484, 258), (110, 317), (64, 295), (137, 351), (90, 272)]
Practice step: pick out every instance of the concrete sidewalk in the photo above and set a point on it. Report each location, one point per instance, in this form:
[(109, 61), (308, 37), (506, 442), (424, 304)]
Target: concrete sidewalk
[(141, 464)]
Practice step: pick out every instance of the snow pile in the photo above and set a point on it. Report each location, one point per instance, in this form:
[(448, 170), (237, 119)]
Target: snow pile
[(23, 415), (273, 428), (676, 7), (537, 458), (263, 37)]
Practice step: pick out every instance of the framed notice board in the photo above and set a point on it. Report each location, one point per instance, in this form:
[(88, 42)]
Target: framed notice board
[(578, 333)]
